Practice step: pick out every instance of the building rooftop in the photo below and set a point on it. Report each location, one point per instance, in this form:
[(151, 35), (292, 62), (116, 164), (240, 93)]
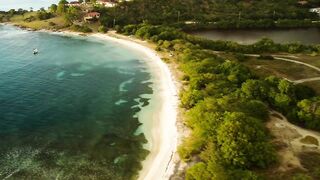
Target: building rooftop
[(93, 14)]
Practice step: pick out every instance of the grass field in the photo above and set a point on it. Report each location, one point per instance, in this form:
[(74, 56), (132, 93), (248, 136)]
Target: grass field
[(280, 68), (52, 23), (284, 69), (313, 60)]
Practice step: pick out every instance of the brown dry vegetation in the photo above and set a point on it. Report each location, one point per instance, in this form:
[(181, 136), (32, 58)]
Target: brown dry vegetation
[(280, 68), (298, 150)]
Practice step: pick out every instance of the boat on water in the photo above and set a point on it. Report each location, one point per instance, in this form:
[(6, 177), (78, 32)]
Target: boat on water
[(35, 51)]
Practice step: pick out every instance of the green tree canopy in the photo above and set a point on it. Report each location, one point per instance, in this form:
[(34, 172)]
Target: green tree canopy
[(53, 8), (242, 142)]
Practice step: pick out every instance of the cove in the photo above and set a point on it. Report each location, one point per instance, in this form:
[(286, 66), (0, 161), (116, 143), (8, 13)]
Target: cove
[(72, 111)]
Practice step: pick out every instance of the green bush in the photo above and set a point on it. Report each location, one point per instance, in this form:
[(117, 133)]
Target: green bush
[(190, 146), (241, 57), (199, 172), (43, 15), (78, 28), (239, 138), (103, 29), (52, 24), (190, 98), (30, 19)]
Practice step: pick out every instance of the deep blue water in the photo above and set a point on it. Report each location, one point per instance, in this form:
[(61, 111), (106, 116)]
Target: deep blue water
[(67, 112)]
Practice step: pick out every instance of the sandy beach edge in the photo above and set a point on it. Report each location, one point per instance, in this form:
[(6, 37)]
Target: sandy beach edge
[(161, 162)]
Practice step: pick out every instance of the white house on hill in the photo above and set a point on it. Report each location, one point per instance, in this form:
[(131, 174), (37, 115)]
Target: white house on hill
[(107, 3)]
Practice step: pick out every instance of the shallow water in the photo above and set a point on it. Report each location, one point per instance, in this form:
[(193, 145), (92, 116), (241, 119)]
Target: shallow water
[(69, 112), (304, 36)]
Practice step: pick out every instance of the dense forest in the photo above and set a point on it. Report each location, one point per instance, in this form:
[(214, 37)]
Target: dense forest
[(227, 106), (213, 14), (195, 14)]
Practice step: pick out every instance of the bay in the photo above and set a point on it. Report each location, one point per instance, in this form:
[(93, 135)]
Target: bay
[(70, 112)]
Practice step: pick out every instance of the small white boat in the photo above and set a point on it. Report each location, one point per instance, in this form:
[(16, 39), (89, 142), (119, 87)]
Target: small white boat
[(35, 51)]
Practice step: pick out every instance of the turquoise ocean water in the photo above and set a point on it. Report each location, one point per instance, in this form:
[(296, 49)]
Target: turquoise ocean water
[(70, 111)]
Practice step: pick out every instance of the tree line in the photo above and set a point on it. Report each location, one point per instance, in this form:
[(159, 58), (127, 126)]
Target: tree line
[(212, 14), (227, 106)]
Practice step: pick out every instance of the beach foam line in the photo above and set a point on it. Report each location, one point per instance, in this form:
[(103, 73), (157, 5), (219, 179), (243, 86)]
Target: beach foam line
[(159, 164)]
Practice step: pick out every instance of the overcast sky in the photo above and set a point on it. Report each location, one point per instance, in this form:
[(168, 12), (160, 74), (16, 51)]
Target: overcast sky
[(25, 4)]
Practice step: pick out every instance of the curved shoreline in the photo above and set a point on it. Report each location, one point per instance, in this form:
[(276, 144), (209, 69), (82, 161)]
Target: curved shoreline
[(159, 163)]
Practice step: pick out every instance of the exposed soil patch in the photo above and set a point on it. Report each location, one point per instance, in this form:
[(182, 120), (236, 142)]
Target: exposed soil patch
[(298, 149), (311, 162)]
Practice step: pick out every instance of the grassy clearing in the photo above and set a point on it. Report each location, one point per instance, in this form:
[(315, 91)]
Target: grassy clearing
[(58, 24), (267, 67), (310, 59), (280, 68), (52, 23), (294, 174), (19, 18)]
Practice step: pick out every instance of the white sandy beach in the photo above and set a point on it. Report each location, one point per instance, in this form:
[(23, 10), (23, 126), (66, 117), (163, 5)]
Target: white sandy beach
[(159, 163)]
